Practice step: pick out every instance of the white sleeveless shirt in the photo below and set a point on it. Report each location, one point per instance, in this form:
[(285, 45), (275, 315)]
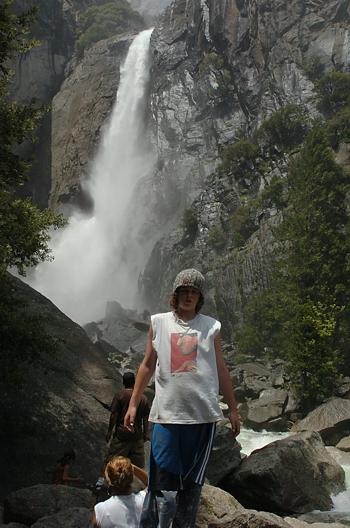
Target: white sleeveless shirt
[(120, 511), (186, 378)]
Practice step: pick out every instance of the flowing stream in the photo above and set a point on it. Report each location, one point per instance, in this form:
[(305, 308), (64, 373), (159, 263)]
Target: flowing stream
[(99, 258), (251, 440)]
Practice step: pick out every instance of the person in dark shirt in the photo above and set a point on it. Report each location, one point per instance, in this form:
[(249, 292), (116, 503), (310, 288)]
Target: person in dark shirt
[(125, 442)]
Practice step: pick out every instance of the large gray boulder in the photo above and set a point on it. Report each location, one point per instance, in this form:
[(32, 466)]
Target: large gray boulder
[(225, 456), (271, 478), (28, 505), (69, 518), (266, 412), (251, 519), (61, 402), (215, 505), (331, 420)]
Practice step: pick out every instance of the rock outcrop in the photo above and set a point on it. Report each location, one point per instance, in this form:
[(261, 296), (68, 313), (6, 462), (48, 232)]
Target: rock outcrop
[(270, 478), (28, 505), (60, 403), (79, 110), (331, 420)]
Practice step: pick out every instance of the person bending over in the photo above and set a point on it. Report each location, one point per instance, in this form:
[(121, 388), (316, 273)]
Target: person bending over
[(123, 508)]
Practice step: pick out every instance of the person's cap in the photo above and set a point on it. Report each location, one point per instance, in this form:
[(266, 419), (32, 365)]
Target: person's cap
[(189, 277)]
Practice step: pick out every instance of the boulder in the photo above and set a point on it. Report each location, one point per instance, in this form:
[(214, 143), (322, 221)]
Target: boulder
[(251, 379), (13, 525), (60, 404), (250, 519), (215, 505), (331, 420), (225, 456), (28, 505), (344, 444), (270, 478), (69, 518), (266, 411)]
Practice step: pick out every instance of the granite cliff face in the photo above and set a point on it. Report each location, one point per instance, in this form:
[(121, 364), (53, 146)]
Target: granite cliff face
[(220, 68)]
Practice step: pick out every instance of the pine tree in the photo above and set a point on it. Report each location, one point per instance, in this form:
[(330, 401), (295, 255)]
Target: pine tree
[(24, 229), (306, 313)]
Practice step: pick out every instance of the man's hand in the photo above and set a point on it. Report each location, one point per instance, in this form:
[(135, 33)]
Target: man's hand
[(129, 420), (235, 422)]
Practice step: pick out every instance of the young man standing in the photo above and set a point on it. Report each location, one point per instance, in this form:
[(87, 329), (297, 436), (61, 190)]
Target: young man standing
[(184, 351), (128, 443)]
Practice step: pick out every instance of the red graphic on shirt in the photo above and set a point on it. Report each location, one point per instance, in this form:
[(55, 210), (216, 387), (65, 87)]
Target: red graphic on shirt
[(183, 352)]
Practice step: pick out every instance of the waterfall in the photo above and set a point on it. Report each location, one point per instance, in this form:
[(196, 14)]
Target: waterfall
[(99, 258)]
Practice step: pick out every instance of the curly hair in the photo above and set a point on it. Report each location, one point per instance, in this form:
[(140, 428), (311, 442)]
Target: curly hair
[(119, 474), (174, 301)]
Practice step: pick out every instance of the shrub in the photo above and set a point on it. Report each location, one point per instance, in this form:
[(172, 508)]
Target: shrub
[(338, 127), (240, 158), (334, 92), (105, 20), (217, 237), (286, 128), (274, 194), (190, 222), (243, 224)]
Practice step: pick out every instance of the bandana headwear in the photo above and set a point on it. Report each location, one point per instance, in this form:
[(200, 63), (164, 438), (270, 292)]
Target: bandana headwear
[(189, 277)]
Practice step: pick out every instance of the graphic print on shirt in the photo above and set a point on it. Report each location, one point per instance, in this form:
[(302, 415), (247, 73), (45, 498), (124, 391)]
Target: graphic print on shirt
[(183, 352)]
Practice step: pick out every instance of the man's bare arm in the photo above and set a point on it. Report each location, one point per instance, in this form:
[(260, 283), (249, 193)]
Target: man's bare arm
[(144, 374)]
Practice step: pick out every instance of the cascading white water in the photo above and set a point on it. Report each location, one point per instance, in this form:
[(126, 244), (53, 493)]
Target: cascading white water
[(97, 259)]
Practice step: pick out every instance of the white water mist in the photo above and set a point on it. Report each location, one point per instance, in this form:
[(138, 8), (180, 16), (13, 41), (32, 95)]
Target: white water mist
[(98, 259)]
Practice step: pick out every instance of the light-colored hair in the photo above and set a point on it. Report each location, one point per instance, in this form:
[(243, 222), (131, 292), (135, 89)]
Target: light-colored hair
[(119, 475)]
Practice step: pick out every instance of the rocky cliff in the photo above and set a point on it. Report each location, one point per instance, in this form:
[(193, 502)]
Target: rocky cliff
[(59, 402), (219, 70)]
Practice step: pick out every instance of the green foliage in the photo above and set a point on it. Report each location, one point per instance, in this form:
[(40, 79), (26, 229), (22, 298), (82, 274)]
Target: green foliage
[(242, 223), (241, 159), (334, 92), (261, 329), (305, 314), (286, 128), (105, 20), (314, 69), (24, 229), (190, 222), (211, 62), (14, 37), (338, 127), (217, 237), (274, 194), (214, 63)]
